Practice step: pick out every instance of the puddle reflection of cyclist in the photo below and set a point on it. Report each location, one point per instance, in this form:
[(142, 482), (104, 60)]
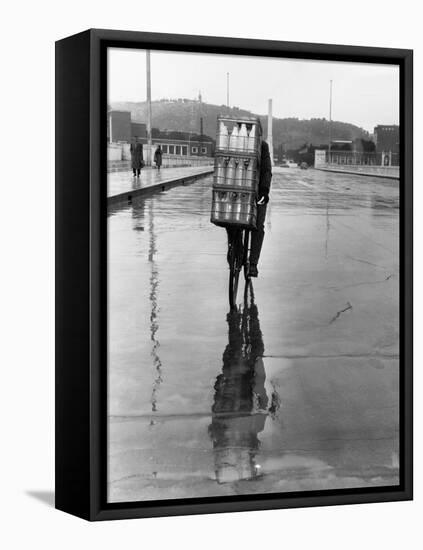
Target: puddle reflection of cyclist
[(241, 403), (257, 235)]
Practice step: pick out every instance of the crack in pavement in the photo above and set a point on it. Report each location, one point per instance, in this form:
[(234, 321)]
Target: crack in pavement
[(365, 262), (363, 283), (348, 306)]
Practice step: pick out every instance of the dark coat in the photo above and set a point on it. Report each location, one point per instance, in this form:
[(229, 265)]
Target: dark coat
[(265, 171), (137, 156), (158, 157)]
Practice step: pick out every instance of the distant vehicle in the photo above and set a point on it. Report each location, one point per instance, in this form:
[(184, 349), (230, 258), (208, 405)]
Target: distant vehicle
[(303, 166), (291, 164), (284, 165)]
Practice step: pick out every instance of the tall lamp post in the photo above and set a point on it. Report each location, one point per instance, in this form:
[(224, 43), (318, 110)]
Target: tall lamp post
[(149, 140), (110, 127), (270, 130), (330, 120)]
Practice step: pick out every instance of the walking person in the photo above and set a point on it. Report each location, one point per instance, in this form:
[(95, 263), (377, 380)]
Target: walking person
[(158, 153), (137, 158)]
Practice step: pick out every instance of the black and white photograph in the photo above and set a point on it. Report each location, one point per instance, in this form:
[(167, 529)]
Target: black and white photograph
[(210, 237), (253, 275)]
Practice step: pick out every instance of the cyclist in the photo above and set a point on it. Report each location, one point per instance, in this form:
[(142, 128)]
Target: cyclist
[(257, 235)]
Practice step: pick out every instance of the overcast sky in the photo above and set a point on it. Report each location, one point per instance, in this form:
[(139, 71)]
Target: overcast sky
[(363, 94)]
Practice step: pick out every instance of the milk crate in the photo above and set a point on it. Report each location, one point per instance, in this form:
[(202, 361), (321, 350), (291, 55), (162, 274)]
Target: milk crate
[(236, 171), (239, 136), (234, 207)]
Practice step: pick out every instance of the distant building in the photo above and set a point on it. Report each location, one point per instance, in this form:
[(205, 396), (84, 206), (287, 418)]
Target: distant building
[(341, 145), (387, 138), (174, 143), (138, 129), (357, 145), (184, 145), (119, 126)]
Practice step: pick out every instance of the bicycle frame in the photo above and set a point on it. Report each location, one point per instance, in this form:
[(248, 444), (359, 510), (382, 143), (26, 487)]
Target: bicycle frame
[(238, 255)]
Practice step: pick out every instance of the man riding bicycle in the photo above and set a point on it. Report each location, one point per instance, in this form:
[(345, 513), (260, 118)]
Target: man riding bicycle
[(257, 235)]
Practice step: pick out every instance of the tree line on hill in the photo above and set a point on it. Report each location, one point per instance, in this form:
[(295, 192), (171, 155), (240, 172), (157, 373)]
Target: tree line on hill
[(290, 134)]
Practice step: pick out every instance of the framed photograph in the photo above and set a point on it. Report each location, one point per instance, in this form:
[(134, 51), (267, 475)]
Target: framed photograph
[(233, 274)]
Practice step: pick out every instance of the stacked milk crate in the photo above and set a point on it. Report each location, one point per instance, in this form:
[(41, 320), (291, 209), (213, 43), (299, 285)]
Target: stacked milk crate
[(236, 172)]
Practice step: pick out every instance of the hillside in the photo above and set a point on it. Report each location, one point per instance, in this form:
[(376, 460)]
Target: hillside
[(184, 115)]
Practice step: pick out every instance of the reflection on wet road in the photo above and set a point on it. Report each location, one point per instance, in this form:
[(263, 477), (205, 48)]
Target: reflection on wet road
[(241, 402), (154, 326), (298, 390)]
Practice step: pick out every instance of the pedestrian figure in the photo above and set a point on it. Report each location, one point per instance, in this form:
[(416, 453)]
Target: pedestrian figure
[(137, 157), (158, 153)]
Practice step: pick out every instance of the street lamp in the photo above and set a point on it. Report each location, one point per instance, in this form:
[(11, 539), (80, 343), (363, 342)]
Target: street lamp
[(149, 140), (330, 120)]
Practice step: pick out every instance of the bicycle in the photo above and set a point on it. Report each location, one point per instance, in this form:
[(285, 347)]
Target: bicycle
[(238, 258)]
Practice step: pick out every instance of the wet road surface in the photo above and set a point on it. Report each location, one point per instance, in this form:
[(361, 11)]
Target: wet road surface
[(296, 391)]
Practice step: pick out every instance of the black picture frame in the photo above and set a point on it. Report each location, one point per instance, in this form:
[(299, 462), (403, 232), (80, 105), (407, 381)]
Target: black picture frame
[(81, 330)]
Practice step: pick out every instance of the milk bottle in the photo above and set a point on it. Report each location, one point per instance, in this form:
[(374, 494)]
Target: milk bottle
[(238, 207), (230, 172), (233, 140), (249, 174), (243, 141), (252, 138), (223, 136), (220, 171), (239, 174)]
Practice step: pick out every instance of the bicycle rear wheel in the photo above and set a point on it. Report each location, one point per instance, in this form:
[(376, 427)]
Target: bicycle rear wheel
[(233, 287), (236, 259), (245, 263), (245, 255)]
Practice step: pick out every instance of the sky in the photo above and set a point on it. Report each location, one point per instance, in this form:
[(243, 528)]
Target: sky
[(364, 94)]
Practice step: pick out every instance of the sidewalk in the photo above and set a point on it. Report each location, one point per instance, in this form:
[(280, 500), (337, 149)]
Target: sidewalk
[(122, 186), (391, 172)]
